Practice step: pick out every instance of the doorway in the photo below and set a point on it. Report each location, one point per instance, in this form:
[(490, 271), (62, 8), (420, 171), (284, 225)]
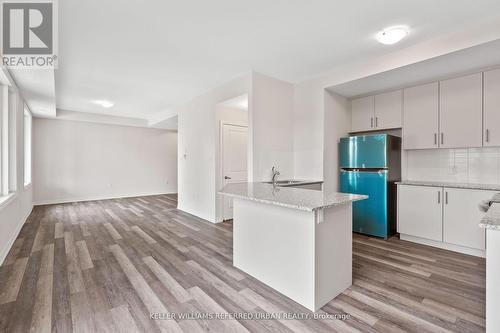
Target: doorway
[(232, 151), (234, 160)]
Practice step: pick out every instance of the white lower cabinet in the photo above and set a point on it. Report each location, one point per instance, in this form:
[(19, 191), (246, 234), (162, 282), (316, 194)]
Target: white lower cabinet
[(461, 217), (420, 211), (444, 217)]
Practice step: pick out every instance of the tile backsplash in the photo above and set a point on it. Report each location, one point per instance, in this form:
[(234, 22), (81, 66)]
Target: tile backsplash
[(470, 165)]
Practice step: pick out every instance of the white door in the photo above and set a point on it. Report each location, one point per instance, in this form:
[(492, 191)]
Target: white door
[(420, 117), (234, 160), (462, 215), (420, 211), (460, 113), (388, 110), (363, 114), (491, 114)]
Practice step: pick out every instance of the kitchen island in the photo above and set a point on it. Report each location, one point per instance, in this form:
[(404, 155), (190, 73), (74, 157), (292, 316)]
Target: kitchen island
[(297, 241), (491, 222)]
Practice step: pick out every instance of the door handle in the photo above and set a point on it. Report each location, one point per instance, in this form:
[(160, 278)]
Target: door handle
[(376, 121), (371, 122), (435, 139), (226, 177), (487, 135), (446, 197), (442, 138), (439, 197)]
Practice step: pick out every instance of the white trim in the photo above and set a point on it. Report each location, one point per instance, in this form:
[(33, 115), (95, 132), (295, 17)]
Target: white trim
[(93, 198), (4, 141), (8, 246), (28, 145), (7, 199), (201, 216), (445, 246)]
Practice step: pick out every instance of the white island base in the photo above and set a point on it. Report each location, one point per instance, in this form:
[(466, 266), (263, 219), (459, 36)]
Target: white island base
[(305, 255)]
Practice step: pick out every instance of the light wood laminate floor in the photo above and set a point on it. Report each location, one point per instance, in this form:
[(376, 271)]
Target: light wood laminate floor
[(105, 266)]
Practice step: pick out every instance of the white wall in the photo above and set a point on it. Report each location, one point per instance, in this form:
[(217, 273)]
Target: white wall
[(472, 165), (271, 125), (15, 210), (77, 161), (336, 125), (308, 114), (197, 141)]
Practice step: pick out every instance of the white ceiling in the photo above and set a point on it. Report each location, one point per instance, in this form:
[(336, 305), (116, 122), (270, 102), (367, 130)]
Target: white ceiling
[(38, 90), (148, 57)]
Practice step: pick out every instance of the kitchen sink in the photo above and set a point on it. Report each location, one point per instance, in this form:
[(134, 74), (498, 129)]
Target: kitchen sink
[(285, 182)]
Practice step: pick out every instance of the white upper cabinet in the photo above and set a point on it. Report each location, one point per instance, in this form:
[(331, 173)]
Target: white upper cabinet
[(491, 113), (421, 117), (363, 114), (460, 112), (388, 110), (378, 112)]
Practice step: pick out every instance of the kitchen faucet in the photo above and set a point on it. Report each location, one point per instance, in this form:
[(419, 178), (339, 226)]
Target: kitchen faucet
[(275, 173)]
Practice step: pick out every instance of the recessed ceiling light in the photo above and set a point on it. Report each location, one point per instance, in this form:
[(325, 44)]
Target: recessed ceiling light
[(104, 103), (392, 35)]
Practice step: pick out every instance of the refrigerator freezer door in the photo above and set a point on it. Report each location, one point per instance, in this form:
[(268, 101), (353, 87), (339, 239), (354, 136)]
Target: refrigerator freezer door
[(369, 216), (364, 152)]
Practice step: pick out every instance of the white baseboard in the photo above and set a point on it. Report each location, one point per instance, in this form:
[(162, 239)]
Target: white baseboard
[(195, 213), (8, 246), (444, 246), (93, 198)]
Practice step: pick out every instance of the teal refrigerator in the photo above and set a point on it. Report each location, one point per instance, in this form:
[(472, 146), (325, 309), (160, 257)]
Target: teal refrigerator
[(371, 165)]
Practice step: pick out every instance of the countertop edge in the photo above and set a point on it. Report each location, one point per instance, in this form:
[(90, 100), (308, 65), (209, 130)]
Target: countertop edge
[(275, 203), (491, 221), (485, 187), (281, 204)]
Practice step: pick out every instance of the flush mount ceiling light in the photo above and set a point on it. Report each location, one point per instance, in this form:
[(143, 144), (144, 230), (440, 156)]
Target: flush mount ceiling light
[(104, 103), (392, 35)]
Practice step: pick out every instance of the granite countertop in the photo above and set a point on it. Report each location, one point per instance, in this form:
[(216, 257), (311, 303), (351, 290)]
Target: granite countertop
[(290, 197), (492, 218), (471, 186)]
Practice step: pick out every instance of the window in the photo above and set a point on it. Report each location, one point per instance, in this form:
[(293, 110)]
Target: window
[(4, 141), (27, 147)]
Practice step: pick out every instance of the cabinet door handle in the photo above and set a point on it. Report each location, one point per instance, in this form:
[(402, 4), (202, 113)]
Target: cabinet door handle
[(446, 197), (442, 138), (376, 121), (435, 139), (487, 135), (439, 197), (371, 122)]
